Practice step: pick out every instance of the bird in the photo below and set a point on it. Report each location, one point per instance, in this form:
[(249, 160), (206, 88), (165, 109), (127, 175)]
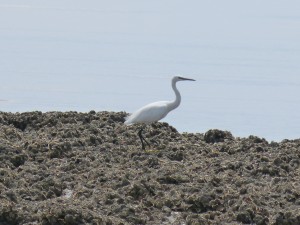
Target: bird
[(155, 111)]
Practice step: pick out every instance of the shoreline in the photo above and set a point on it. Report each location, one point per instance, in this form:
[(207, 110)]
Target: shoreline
[(125, 113)]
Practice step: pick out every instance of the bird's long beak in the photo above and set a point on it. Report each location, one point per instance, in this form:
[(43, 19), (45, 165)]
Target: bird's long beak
[(183, 78)]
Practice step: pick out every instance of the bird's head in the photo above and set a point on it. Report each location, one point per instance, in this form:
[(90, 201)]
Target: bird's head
[(178, 78)]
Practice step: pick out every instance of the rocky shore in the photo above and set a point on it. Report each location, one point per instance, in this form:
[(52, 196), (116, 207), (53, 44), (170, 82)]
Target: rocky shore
[(88, 168)]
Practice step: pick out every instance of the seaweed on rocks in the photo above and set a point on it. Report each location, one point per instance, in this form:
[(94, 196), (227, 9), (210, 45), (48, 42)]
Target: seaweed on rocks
[(88, 168)]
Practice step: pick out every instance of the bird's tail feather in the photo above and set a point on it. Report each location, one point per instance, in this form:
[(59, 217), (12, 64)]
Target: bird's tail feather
[(127, 119)]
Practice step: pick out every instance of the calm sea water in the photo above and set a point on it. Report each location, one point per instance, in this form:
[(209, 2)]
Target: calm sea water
[(119, 55)]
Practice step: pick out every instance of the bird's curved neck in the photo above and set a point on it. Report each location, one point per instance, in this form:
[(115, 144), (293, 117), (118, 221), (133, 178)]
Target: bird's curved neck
[(174, 104)]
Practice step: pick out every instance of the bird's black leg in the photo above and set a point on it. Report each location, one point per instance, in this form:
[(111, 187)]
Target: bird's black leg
[(142, 138)]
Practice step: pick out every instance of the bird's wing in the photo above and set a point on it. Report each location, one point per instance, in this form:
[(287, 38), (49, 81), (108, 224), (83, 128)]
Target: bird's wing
[(150, 113)]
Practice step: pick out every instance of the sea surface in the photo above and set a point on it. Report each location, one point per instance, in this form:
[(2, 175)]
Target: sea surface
[(119, 55)]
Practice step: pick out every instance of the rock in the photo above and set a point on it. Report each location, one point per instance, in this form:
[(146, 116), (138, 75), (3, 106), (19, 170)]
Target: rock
[(214, 136), (288, 218), (89, 168), (244, 217)]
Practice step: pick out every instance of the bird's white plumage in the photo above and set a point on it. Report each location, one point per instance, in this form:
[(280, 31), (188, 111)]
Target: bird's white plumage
[(149, 113), (157, 110)]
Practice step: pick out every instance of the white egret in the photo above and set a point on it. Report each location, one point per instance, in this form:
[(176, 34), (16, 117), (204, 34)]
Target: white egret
[(155, 111)]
